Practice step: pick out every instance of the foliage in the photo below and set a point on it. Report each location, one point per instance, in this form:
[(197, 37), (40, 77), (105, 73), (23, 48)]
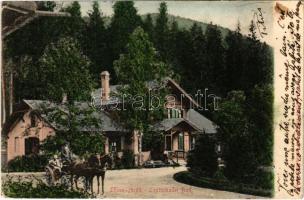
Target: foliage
[(27, 163), (235, 137), (162, 31), (28, 189), (203, 56), (78, 125), (203, 159), (123, 23), (96, 45), (154, 141), (65, 71), (127, 159), (260, 116), (137, 67), (234, 59), (264, 179), (219, 175), (215, 63), (148, 26), (189, 178), (74, 25)]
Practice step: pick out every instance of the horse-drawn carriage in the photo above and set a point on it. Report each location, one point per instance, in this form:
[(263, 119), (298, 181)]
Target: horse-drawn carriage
[(67, 169)]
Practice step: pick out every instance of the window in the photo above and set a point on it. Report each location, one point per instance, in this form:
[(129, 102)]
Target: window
[(192, 142), (174, 113), (181, 141), (33, 121), (115, 144), (16, 144), (31, 145)]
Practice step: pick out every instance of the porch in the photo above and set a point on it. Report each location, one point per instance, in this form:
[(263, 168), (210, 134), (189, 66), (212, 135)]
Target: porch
[(179, 135)]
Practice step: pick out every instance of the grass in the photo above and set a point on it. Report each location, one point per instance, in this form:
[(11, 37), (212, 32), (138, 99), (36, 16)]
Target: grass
[(188, 178), (29, 189)]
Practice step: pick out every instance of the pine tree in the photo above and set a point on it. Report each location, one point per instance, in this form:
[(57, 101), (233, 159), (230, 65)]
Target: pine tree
[(215, 63), (173, 47), (148, 26), (74, 25), (96, 47), (123, 23), (162, 31), (235, 59), (138, 65)]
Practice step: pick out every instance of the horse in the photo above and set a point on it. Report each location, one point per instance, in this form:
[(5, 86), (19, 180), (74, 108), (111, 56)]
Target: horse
[(94, 166), (104, 163)]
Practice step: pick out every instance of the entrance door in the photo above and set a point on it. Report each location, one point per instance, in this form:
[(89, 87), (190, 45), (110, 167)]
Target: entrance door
[(168, 143)]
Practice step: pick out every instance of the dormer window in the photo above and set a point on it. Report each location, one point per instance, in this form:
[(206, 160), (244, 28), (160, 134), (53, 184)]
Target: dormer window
[(174, 113), (33, 121)]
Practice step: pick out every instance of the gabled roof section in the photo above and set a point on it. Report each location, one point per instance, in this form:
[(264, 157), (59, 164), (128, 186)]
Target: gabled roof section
[(201, 122), (182, 91), (96, 94), (106, 123), (171, 123)]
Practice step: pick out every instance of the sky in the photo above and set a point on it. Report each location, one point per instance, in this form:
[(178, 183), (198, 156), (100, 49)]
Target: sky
[(223, 13)]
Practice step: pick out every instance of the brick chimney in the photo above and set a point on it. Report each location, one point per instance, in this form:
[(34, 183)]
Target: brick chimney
[(105, 85)]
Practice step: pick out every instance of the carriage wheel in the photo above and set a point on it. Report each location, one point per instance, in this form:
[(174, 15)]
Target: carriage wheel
[(50, 178)]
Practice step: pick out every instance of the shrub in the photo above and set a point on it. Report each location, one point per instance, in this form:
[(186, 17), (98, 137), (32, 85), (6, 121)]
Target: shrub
[(264, 179), (189, 178), (26, 189), (127, 159), (28, 163), (219, 175), (203, 160)]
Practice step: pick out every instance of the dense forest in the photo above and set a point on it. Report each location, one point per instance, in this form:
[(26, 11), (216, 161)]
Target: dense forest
[(237, 67)]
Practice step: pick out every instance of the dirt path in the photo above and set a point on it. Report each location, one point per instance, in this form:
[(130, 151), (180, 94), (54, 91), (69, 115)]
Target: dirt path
[(150, 183), (157, 183)]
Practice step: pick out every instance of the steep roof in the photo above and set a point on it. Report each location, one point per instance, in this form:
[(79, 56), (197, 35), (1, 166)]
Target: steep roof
[(194, 119), (201, 121), (96, 94), (167, 124), (106, 123)]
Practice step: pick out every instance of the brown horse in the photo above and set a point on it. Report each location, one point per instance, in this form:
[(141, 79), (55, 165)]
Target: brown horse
[(95, 166)]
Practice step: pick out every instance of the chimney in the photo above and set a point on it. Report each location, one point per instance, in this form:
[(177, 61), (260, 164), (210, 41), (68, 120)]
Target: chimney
[(105, 85)]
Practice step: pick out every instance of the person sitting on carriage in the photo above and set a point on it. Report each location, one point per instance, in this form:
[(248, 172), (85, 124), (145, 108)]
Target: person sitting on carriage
[(67, 157), (55, 163)]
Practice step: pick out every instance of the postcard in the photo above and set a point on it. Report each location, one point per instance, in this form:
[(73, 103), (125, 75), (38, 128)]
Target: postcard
[(152, 99)]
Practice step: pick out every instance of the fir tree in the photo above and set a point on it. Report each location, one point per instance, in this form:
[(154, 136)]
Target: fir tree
[(215, 63), (162, 31), (65, 71), (96, 47), (148, 26)]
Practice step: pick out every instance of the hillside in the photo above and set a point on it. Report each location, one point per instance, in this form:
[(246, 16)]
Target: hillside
[(187, 23), (182, 22)]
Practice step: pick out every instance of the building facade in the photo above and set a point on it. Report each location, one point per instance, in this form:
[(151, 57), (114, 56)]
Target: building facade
[(26, 129)]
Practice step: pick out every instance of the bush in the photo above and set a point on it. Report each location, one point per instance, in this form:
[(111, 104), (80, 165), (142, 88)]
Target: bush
[(203, 160), (264, 179), (26, 189), (189, 178), (219, 175), (127, 159), (28, 163)]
